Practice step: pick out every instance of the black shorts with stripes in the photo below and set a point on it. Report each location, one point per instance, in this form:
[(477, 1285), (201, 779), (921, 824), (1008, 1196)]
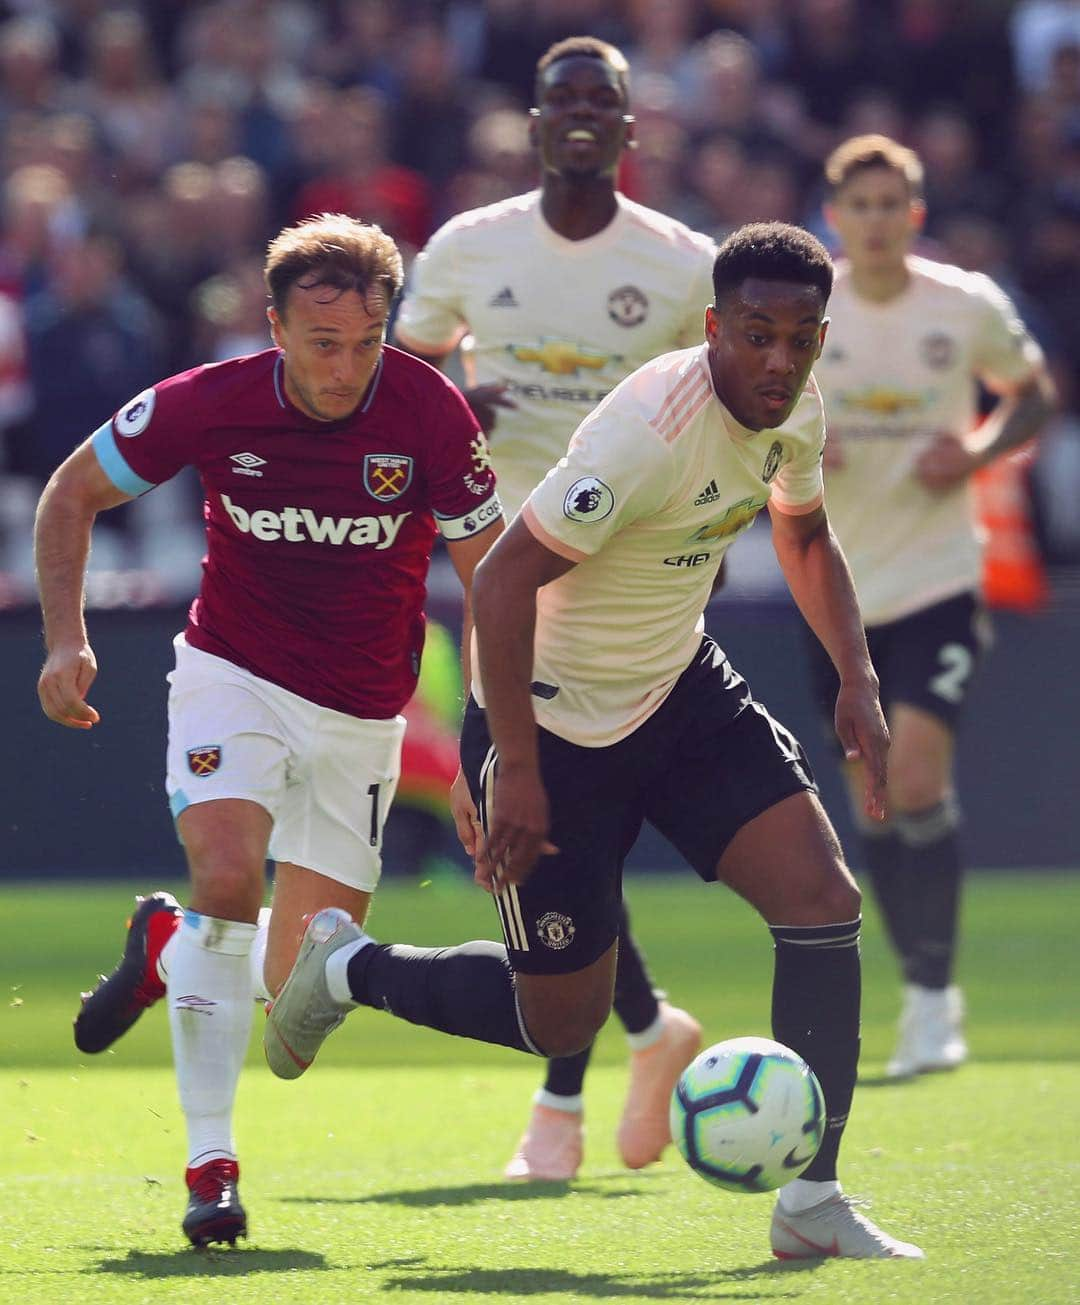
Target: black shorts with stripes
[(705, 763)]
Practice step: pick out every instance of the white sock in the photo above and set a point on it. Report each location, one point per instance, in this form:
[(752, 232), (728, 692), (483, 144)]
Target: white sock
[(258, 957), (209, 994), (568, 1105), (649, 1036), (801, 1193), (337, 971)]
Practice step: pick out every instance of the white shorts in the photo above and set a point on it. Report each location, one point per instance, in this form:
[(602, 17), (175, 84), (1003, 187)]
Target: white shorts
[(327, 779)]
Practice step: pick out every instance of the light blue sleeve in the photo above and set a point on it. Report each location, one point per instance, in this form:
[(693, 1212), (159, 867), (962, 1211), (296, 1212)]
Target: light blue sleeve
[(114, 465)]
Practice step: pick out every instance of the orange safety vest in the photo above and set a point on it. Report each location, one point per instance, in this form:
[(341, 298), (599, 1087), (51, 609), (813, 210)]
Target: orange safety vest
[(1013, 573)]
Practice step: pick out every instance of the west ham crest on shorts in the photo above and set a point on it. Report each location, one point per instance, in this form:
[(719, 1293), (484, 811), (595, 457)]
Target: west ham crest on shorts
[(387, 475), (205, 760)]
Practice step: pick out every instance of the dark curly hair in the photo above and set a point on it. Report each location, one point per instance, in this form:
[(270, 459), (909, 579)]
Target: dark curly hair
[(772, 251)]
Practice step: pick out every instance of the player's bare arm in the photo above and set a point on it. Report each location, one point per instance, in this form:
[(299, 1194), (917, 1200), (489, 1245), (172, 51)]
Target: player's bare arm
[(77, 491), (1022, 412), (504, 608), (465, 555), (817, 575)]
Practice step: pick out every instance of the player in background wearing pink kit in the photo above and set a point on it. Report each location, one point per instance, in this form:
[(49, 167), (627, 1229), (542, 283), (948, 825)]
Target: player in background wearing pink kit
[(910, 342), (328, 464), (640, 282)]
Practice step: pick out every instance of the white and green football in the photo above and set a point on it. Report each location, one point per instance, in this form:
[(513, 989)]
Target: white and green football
[(748, 1114)]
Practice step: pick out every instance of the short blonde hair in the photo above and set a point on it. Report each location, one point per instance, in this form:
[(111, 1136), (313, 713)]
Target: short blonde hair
[(861, 153), (336, 250)]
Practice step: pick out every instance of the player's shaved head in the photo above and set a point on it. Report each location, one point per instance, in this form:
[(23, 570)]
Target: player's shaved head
[(338, 252)]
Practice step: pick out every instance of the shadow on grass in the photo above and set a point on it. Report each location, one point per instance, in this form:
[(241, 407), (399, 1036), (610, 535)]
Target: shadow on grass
[(472, 1193), (190, 1263), (519, 1284), (883, 1080)]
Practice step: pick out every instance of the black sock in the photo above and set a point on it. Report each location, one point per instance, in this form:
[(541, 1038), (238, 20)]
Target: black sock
[(635, 1000), (815, 1011), (887, 866), (467, 991), (933, 874), (566, 1074)]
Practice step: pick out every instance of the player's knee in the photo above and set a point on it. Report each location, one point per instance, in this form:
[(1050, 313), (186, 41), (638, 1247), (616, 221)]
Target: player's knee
[(564, 1037), (915, 786), (830, 897), (228, 889), (566, 1028), (844, 899)]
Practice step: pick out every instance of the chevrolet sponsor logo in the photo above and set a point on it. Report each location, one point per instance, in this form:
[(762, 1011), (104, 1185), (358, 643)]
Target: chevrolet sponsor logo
[(562, 357)]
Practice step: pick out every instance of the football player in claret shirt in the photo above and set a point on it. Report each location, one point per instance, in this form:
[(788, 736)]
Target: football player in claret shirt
[(638, 283), (910, 343), (329, 463), (605, 706)]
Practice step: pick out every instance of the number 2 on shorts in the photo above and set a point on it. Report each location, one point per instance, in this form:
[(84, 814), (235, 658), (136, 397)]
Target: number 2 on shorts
[(951, 681)]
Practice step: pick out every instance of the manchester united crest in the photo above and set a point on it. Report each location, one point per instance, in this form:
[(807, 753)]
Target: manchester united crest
[(555, 930), (772, 461), (205, 760), (938, 350), (628, 306), (387, 475)]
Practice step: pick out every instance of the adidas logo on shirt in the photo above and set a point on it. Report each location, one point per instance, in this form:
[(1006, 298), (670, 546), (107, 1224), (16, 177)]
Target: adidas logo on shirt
[(504, 299), (708, 495)]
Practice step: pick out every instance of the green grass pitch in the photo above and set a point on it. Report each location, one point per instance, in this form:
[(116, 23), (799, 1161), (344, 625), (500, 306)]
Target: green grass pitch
[(377, 1176)]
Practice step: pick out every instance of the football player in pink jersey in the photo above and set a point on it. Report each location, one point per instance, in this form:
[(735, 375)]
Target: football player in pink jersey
[(329, 462), (641, 282), (911, 341)]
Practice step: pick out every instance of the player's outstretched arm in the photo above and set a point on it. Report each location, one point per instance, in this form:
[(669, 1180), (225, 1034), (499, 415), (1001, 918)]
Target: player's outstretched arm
[(465, 555), (77, 491), (817, 574), (504, 608)]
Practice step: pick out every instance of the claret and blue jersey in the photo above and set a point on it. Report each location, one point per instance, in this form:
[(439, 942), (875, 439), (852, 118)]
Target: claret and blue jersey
[(319, 534)]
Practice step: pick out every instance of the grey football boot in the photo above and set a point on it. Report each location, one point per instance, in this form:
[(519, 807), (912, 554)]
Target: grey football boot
[(304, 1013)]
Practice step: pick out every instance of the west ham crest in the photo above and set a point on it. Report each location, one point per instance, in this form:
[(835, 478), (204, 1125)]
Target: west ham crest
[(205, 760), (387, 475)]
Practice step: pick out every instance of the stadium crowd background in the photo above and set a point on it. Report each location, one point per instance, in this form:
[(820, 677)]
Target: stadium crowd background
[(148, 151)]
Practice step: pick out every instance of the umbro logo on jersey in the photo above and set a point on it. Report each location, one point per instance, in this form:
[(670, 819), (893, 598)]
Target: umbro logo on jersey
[(247, 464), (709, 494), (504, 299)]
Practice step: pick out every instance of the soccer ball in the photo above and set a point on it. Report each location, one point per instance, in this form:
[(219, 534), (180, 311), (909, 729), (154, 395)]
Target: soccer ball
[(748, 1114)]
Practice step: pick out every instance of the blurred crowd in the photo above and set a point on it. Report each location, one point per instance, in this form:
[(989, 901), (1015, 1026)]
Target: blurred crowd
[(149, 150)]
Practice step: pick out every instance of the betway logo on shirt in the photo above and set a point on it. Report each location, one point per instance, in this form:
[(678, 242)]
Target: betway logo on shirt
[(298, 525)]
